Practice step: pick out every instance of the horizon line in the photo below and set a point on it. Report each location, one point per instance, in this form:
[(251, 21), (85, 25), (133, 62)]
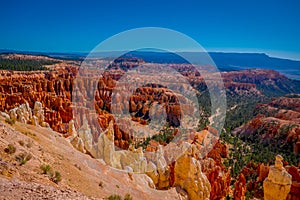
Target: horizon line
[(271, 54)]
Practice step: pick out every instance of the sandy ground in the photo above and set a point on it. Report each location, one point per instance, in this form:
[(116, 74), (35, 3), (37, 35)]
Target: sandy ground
[(82, 176)]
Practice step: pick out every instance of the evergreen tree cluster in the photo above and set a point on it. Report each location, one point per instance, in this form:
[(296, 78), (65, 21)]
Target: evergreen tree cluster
[(24, 64)]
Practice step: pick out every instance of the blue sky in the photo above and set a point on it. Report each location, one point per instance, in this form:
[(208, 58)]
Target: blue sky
[(78, 26)]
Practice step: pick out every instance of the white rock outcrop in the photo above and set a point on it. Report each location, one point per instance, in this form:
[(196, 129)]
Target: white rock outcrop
[(187, 170), (21, 113), (26, 115), (105, 148)]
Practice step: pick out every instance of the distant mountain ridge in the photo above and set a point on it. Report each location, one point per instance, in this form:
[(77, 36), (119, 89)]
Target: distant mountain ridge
[(238, 61), (224, 61)]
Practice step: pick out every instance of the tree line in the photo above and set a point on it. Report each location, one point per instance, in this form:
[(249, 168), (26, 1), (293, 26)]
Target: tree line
[(24, 65)]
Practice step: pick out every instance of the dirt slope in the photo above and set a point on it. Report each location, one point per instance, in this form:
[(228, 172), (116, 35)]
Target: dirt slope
[(82, 176)]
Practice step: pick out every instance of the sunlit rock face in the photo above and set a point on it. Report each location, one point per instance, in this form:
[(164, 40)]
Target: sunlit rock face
[(158, 170), (218, 176), (26, 115), (240, 187), (278, 183), (51, 88), (104, 149), (295, 188), (188, 175), (21, 113), (148, 104), (186, 171), (262, 171)]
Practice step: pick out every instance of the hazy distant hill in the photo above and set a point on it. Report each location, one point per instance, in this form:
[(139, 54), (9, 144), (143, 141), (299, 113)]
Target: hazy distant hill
[(228, 61), (237, 61), (224, 61)]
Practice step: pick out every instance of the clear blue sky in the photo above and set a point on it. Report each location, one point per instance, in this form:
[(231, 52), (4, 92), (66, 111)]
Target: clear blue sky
[(220, 25)]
